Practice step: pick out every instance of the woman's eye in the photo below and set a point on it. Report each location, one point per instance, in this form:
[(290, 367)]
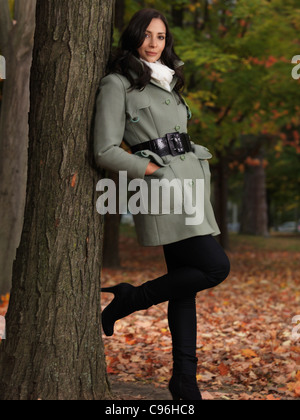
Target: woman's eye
[(161, 37)]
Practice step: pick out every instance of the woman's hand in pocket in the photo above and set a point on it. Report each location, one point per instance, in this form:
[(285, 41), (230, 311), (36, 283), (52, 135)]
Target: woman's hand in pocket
[(151, 168)]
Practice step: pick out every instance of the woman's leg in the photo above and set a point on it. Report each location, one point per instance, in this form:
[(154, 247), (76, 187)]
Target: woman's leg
[(202, 265), (182, 319), (195, 264), (183, 326), (182, 312)]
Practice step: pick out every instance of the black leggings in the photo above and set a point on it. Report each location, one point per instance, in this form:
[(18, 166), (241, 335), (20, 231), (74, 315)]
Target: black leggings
[(194, 264)]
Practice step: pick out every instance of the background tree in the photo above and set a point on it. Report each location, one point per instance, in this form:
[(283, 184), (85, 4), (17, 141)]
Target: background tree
[(54, 348), (17, 21)]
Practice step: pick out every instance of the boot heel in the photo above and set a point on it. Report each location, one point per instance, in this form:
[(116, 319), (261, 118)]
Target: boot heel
[(184, 387), (109, 289), (119, 289), (173, 391), (176, 397)]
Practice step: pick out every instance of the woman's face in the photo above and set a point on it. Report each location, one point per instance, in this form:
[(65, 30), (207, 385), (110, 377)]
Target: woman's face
[(155, 41)]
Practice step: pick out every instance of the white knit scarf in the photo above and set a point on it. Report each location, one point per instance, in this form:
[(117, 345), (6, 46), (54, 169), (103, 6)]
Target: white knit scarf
[(161, 73)]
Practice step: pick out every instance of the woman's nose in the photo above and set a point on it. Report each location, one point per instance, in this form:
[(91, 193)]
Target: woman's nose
[(153, 42)]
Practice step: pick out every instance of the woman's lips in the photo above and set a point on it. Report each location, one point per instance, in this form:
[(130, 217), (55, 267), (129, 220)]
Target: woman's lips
[(151, 53)]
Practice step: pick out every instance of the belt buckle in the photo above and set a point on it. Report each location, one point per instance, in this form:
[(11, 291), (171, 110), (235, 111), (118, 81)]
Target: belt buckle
[(175, 144)]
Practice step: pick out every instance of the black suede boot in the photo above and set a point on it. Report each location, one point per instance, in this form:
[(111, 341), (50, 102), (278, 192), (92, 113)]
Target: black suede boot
[(182, 318), (128, 299), (179, 283), (184, 387)]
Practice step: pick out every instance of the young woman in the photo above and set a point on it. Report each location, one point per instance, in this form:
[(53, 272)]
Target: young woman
[(140, 102)]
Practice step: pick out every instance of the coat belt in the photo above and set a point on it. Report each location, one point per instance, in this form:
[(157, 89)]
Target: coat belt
[(172, 144)]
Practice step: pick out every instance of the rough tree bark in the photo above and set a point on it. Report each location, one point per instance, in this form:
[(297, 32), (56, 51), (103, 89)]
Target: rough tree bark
[(16, 42), (54, 348)]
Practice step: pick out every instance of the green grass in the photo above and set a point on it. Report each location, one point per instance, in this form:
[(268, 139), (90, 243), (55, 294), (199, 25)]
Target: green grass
[(275, 242), (127, 231)]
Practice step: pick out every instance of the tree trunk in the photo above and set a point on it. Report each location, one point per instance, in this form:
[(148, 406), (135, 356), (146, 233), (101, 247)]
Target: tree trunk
[(119, 15), (177, 11), (54, 348), (221, 198), (16, 42), (111, 255), (254, 220)]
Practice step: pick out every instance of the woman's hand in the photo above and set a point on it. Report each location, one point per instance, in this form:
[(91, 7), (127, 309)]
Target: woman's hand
[(151, 168)]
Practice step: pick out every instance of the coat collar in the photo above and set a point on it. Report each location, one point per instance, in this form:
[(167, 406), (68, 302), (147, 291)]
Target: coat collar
[(179, 63)]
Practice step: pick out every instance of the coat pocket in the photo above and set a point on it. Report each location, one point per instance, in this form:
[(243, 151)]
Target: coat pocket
[(135, 104), (164, 193), (203, 154), (155, 158)]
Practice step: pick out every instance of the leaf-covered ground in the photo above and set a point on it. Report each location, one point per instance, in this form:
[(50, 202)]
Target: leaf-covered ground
[(246, 348)]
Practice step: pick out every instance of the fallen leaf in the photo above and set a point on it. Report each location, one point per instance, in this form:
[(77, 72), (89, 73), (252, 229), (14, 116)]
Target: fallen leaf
[(223, 369), (249, 353), (297, 389), (271, 397)]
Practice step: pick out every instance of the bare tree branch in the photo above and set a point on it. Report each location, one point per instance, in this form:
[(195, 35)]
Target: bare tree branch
[(5, 24)]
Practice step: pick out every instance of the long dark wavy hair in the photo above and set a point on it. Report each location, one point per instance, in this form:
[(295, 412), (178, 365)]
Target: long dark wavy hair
[(124, 58)]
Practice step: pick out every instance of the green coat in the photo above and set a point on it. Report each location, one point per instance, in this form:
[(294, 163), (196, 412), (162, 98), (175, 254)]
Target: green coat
[(139, 116)]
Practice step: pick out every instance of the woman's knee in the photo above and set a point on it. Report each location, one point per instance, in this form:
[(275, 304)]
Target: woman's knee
[(222, 270)]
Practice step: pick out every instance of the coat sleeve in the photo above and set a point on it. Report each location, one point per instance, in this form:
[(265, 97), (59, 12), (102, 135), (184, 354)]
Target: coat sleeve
[(109, 131)]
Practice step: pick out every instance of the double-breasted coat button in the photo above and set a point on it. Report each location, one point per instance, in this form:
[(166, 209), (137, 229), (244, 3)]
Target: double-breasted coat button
[(168, 101), (177, 128)]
